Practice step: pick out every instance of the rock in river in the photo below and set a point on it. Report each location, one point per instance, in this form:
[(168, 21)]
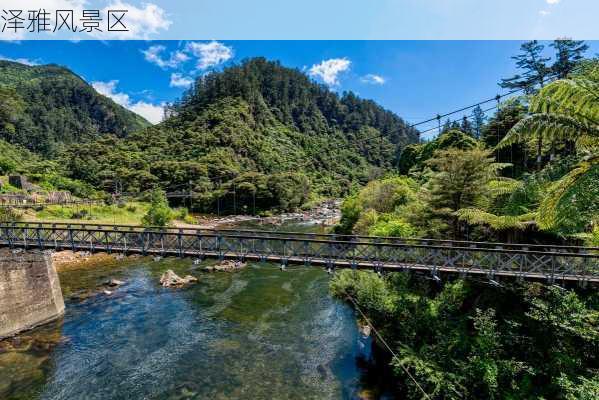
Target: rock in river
[(114, 282), (226, 266), (170, 279)]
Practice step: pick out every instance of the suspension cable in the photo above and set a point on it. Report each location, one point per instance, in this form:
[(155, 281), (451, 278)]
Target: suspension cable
[(438, 117), (384, 342)]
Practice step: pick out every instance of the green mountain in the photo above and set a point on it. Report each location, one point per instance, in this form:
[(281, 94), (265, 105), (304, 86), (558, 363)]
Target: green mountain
[(48, 106), (253, 133)]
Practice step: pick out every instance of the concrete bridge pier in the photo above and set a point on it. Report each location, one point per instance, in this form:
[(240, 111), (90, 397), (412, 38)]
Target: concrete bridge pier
[(30, 292)]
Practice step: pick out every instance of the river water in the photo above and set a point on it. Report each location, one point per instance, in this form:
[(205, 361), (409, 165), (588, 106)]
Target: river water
[(260, 333)]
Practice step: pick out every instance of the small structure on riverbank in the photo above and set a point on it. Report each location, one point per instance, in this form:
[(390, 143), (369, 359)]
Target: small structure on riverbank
[(30, 292)]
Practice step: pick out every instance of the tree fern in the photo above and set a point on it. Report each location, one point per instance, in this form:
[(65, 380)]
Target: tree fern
[(563, 110), (578, 186), (475, 216), (566, 110), (578, 96), (553, 127)]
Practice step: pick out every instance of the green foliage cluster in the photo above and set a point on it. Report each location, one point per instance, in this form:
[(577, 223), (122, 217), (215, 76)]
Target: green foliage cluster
[(377, 208), (45, 107), (159, 213), (468, 340), (414, 156), (49, 175)]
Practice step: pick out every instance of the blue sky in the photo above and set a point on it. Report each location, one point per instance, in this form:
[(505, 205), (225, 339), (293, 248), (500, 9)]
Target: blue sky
[(415, 79)]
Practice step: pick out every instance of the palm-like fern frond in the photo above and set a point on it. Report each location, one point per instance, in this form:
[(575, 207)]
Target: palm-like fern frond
[(567, 109), (476, 216), (578, 97), (588, 143), (590, 238), (553, 127), (504, 186), (570, 185)]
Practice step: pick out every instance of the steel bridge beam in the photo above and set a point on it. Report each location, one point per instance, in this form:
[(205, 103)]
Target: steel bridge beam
[(555, 263)]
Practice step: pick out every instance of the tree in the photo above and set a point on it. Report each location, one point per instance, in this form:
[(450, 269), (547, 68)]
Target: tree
[(159, 214), (508, 114), (566, 110), (568, 53), (459, 180), (466, 126), (533, 66), (478, 119)]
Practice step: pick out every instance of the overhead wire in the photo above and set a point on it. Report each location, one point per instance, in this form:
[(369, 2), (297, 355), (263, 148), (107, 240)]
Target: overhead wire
[(438, 117), (384, 343)]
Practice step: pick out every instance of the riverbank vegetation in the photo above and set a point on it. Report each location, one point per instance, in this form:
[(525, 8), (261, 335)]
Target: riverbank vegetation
[(466, 339), (528, 174)]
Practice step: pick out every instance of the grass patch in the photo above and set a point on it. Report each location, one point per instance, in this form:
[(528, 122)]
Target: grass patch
[(127, 214)]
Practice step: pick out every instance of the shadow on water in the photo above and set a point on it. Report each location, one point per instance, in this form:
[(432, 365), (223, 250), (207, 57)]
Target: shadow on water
[(260, 333)]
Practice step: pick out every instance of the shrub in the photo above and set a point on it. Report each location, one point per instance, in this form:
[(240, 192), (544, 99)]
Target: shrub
[(9, 214), (392, 227), (159, 214)]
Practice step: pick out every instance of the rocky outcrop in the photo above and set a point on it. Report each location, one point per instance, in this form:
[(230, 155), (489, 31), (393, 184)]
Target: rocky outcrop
[(226, 266), (170, 279), (30, 292)]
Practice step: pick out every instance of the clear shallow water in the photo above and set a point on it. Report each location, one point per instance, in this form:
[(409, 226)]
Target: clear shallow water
[(256, 334)]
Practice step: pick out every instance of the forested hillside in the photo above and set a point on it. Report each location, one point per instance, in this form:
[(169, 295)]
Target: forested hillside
[(257, 133), (45, 108)]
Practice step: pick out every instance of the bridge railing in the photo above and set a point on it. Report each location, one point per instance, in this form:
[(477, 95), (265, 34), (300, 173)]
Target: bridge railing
[(321, 236), (498, 261)]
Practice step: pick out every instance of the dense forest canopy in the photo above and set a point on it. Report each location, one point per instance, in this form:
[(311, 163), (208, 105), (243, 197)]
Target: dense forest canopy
[(45, 108), (294, 100), (257, 135)]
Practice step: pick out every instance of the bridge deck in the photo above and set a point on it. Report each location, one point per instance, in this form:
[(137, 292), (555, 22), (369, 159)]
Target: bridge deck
[(551, 263)]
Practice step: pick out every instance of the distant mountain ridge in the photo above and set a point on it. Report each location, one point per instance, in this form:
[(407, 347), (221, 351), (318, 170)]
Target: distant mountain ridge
[(294, 100), (256, 131), (47, 107)]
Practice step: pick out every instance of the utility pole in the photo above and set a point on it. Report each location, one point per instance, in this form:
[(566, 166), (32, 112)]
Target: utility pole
[(190, 198), (218, 200), (234, 200)]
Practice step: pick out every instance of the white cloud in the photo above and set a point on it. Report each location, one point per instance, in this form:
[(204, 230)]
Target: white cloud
[(152, 112), (329, 70), (209, 54), (552, 1), (544, 13), (154, 55), (181, 81), (25, 61), (373, 79), (141, 22)]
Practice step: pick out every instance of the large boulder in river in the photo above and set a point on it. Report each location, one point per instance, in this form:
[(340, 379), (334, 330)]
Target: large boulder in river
[(170, 279)]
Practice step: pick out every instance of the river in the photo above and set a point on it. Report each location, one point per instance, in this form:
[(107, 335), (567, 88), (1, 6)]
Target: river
[(260, 333)]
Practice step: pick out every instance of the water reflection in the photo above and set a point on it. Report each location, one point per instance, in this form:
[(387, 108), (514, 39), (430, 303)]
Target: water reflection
[(258, 333)]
